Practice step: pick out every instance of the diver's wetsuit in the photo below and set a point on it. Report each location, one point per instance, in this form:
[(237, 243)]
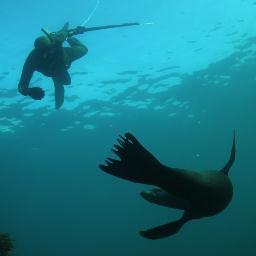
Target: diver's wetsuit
[(53, 63)]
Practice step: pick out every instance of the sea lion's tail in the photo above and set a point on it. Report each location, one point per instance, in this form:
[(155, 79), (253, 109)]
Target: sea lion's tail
[(232, 157), (136, 164)]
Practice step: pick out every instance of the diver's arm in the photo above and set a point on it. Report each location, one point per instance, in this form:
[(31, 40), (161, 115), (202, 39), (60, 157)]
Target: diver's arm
[(76, 49), (26, 75)]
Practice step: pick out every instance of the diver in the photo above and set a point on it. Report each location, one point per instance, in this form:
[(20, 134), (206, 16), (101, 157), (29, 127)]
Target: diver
[(50, 58)]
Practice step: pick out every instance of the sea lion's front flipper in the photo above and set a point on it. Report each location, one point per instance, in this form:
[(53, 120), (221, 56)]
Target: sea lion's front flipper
[(163, 198), (136, 163), (165, 230)]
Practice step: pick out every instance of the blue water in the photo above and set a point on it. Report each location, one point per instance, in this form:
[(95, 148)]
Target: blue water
[(181, 86)]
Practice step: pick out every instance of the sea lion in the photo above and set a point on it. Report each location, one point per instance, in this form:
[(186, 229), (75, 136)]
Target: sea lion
[(199, 194)]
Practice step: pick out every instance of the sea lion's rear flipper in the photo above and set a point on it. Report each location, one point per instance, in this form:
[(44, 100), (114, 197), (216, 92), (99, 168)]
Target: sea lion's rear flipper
[(161, 197), (229, 164), (136, 163), (165, 230)]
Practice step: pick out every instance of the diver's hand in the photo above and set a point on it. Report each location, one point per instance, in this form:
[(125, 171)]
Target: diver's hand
[(36, 93), (80, 29), (76, 31)]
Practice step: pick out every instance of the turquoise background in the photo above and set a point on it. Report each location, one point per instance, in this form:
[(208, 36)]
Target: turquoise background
[(181, 86)]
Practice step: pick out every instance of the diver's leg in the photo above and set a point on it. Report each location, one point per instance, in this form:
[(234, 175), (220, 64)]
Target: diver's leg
[(59, 94), (65, 78), (62, 77)]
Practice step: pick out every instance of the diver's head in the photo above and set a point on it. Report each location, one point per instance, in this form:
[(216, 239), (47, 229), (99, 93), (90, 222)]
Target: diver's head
[(42, 43)]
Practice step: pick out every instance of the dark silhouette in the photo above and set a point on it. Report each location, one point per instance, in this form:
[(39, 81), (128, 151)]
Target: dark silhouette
[(6, 244), (199, 194), (51, 59)]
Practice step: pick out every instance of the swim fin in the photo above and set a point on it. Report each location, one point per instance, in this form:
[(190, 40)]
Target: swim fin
[(64, 32), (65, 27)]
